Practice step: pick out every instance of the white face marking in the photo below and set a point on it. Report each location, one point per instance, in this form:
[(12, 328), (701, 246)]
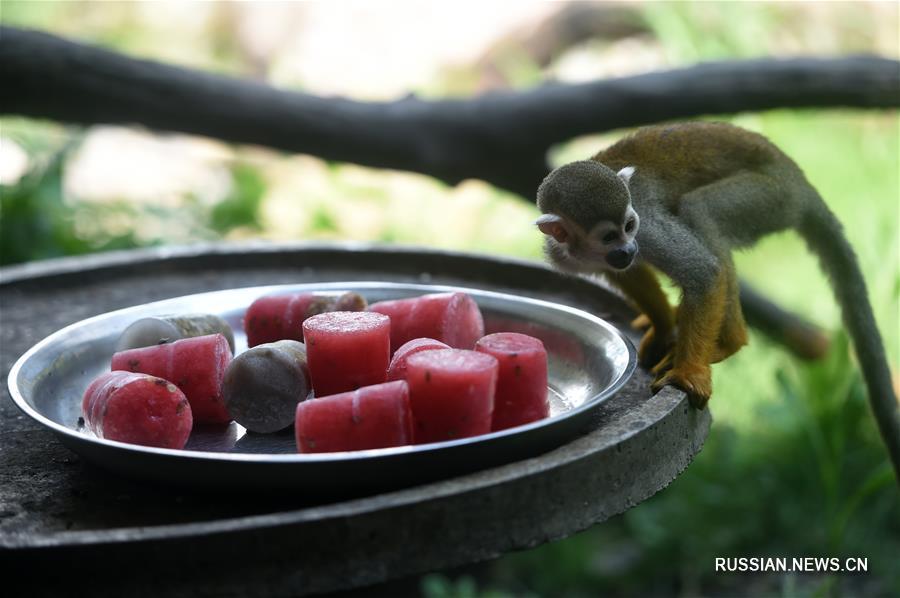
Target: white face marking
[(609, 236), (579, 252), (608, 233), (604, 233), (630, 215)]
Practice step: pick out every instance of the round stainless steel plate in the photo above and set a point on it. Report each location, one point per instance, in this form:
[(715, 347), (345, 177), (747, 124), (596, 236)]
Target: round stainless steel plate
[(589, 360)]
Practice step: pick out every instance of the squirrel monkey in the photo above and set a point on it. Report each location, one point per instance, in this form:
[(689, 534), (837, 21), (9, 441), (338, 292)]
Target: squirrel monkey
[(677, 199)]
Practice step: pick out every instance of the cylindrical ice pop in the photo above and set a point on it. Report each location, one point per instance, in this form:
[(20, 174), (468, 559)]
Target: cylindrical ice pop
[(263, 385), (277, 317), (452, 318), (451, 392), (367, 418), (522, 378), (347, 350), (195, 365), (397, 369), (137, 408)]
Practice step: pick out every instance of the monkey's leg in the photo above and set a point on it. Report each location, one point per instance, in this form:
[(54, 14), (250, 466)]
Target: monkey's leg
[(641, 285), (731, 212), (733, 332), (699, 322), (685, 247)]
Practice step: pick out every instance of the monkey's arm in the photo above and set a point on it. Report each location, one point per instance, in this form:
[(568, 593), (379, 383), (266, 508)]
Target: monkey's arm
[(641, 285), (702, 274)]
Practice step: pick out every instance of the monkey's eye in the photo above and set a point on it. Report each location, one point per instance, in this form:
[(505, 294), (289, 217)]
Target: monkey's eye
[(610, 237), (629, 226)]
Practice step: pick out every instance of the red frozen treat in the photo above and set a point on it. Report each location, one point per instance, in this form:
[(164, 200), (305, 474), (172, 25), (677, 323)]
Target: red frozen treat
[(452, 393), (195, 365), (278, 317), (137, 408), (521, 379), (347, 350), (452, 318), (397, 369), (370, 417)]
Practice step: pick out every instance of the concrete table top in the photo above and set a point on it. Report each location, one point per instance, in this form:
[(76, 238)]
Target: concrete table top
[(104, 535)]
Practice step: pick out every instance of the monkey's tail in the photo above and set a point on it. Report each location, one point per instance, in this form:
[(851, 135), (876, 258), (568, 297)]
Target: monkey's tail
[(825, 237)]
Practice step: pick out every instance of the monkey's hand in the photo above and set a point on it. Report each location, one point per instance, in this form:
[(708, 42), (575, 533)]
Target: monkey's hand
[(695, 380), (657, 318)]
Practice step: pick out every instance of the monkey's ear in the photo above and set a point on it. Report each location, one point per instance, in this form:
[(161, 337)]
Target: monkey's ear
[(551, 224), (625, 174)]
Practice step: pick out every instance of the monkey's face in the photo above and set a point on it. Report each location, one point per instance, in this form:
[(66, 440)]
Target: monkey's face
[(588, 218), (608, 245)]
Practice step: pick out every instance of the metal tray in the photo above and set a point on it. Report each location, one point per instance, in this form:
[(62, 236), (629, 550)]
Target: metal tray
[(589, 360)]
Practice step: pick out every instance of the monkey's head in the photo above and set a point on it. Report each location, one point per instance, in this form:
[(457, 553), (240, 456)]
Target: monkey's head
[(587, 217)]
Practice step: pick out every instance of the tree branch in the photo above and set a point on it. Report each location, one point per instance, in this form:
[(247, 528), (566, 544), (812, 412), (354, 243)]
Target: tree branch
[(500, 137)]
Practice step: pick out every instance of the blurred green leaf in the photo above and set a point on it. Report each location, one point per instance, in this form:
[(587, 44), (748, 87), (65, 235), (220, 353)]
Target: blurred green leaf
[(241, 207), (323, 221)]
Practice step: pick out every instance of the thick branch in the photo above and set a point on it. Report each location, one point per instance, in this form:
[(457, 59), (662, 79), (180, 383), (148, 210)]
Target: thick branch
[(501, 138), (803, 338)]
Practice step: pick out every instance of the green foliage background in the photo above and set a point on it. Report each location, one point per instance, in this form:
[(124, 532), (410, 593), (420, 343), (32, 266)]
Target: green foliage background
[(793, 465)]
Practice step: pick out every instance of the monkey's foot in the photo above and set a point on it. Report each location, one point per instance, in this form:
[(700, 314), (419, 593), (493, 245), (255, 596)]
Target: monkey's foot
[(696, 381), (642, 322)]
